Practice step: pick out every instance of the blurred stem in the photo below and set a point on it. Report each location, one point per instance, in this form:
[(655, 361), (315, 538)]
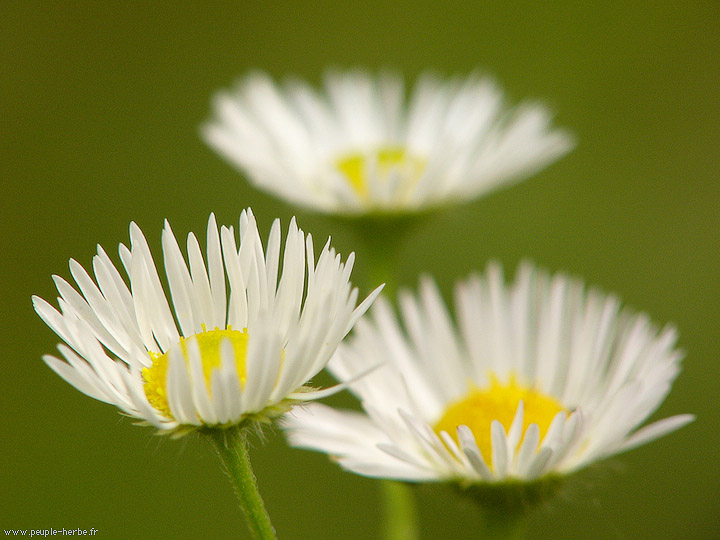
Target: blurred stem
[(231, 446), (504, 524), (400, 519), (380, 262), (380, 241)]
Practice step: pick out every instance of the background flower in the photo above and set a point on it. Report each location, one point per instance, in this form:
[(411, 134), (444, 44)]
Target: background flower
[(359, 147)]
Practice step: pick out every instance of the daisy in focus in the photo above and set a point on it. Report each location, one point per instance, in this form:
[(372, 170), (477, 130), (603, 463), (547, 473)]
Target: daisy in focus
[(237, 343), (539, 378), (360, 147)]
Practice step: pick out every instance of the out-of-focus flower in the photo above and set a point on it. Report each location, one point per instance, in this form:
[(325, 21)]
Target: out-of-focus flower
[(360, 147)]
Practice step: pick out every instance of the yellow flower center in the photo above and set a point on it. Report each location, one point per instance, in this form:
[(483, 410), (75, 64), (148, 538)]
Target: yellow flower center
[(356, 167), (478, 408), (155, 376)]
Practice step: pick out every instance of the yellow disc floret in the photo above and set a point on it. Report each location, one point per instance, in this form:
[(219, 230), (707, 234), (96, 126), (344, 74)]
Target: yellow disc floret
[(356, 170), (479, 407), (155, 376)]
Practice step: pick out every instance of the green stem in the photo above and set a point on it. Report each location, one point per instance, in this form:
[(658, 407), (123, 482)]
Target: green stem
[(231, 445), (381, 266), (504, 525), (380, 240), (400, 519)]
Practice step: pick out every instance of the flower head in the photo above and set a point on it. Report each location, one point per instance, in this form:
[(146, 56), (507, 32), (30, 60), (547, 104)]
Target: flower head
[(358, 147), (237, 343), (539, 378)]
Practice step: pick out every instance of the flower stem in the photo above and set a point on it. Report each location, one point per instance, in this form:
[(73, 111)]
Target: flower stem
[(504, 525), (380, 239), (231, 446), (400, 520)]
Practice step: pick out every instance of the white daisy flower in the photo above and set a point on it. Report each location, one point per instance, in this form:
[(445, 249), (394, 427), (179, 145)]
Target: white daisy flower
[(359, 147), (237, 343), (538, 379)]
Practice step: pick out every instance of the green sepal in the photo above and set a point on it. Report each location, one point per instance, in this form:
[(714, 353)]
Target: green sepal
[(513, 496)]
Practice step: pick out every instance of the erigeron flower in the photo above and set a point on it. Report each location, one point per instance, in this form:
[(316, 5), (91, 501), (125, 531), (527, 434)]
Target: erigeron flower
[(538, 379), (360, 147), (237, 343)]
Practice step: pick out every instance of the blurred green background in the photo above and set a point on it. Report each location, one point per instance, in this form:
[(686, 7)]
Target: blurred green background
[(99, 111)]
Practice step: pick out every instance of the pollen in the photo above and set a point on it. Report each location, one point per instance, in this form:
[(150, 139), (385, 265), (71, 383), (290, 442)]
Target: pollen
[(358, 167), (208, 342), (499, 401)]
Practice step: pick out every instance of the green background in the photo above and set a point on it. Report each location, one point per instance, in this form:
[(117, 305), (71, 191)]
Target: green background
[(99, 111)]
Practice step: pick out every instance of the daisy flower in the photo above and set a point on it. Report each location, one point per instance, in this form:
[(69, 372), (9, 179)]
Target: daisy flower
[(538, 379), (237, 343), (359, 147)]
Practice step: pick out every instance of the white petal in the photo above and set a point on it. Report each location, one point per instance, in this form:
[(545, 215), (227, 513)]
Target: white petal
[(179, 390), (656, 430), (500, 451), (471, 450)]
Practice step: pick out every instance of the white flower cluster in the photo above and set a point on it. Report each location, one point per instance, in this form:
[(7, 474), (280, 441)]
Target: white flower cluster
[(532, 379)]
